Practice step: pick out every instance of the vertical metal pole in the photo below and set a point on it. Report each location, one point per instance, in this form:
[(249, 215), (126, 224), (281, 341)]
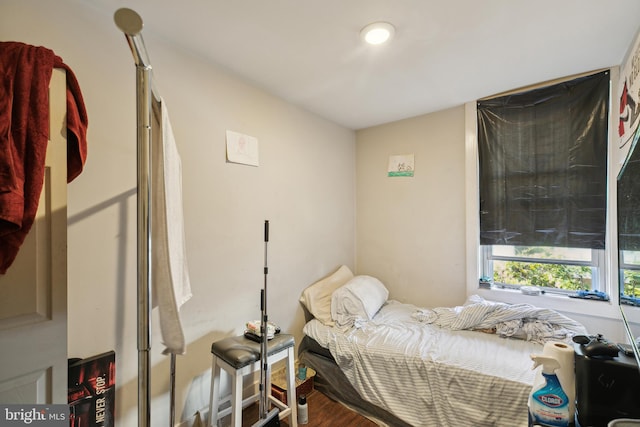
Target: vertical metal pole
[(172, 391), (130, 23), (143, 98), (264, 327)]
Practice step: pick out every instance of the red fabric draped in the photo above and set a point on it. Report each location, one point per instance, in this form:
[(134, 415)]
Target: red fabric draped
[(25, 73)]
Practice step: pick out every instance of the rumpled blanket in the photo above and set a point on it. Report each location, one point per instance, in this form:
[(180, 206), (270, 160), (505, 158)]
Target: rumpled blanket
[(522, 321)]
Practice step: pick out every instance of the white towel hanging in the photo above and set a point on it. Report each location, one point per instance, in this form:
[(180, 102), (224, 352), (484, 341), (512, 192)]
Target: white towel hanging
[(170, 274)]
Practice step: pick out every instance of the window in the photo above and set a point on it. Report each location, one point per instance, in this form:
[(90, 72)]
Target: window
[(556, 269), (543, 185), (630, 276)]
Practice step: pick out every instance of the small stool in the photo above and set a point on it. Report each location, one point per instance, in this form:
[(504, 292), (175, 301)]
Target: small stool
[(240, 356)]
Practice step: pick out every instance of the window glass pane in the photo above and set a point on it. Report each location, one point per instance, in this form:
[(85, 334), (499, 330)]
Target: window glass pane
[(558, 276), (632, 283), (631, 257), (631, 290), (544, 252)]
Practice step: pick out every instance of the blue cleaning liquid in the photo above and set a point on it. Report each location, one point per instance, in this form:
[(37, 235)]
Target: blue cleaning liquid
[(549, 405)]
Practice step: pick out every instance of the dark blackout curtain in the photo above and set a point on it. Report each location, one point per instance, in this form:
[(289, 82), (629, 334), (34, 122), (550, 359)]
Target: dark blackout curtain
[(543, 165)]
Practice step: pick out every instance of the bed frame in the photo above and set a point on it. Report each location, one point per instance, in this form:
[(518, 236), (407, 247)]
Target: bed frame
[(331, 381)]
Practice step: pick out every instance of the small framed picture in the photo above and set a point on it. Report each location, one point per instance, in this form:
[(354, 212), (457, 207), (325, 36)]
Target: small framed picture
[(242, 149), (401, 165)]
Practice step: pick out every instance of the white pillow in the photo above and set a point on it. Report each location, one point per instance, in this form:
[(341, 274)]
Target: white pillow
[(359, 299), (317, 297)]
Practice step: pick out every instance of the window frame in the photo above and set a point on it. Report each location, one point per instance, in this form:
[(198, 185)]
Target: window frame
[(597, 264), (473, 253)]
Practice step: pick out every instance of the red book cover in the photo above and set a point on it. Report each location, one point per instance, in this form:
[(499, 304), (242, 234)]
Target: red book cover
[(91, 391)]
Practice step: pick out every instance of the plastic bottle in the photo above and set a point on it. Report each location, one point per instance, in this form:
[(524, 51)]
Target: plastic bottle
[(303, 410), (548, 403)]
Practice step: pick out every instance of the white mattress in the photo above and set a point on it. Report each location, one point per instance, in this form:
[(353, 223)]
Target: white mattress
[(430, 376)]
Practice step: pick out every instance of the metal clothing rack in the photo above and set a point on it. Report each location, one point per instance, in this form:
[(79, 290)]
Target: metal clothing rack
[(130, 23)]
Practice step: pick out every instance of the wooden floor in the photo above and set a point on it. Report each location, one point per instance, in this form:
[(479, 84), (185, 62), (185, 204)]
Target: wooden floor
[(323, 412)]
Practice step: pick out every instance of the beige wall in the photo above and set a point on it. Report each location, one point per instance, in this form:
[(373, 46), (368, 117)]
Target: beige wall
[(305, 186), (411, 231)]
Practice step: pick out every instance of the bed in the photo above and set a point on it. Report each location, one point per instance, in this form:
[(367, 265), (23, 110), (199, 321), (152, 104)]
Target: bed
[(403, 365)]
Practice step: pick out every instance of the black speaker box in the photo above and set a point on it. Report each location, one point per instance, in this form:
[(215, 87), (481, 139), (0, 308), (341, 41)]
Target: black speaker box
[(607, 388)]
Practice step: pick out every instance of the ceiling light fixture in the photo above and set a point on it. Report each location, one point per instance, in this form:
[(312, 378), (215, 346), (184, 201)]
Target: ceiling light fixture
[(377, 32)]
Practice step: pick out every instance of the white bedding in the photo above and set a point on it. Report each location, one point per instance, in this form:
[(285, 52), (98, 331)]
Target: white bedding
[(508, 320), (430, 376)]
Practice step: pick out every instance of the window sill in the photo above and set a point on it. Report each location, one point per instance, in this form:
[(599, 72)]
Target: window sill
[(560, 303)]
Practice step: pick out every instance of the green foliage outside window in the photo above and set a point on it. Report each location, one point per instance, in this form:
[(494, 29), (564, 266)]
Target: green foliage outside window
[(632, 283), (559, 276)]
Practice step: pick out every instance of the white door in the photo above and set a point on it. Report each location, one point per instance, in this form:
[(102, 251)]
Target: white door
[(33, 293)]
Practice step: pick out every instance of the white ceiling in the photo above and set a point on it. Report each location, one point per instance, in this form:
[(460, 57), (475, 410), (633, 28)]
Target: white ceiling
[(444, 53)]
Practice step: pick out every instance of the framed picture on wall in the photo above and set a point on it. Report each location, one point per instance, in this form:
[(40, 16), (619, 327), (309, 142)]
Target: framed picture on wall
[(401, 165)]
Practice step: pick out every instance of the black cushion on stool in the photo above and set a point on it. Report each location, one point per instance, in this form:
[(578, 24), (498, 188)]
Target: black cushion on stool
[(240, 351)]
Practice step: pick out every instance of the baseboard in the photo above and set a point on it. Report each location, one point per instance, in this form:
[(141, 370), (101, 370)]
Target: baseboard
[(199, 419)]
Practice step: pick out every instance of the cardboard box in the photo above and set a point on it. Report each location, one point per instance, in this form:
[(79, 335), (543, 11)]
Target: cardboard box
[(279, 384)]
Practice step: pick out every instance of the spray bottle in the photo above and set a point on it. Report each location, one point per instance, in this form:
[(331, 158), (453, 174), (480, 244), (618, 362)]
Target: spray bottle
[(548, 403), (303, 410)]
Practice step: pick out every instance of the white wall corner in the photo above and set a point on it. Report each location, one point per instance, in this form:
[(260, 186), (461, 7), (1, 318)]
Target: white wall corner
[(471, 197)]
